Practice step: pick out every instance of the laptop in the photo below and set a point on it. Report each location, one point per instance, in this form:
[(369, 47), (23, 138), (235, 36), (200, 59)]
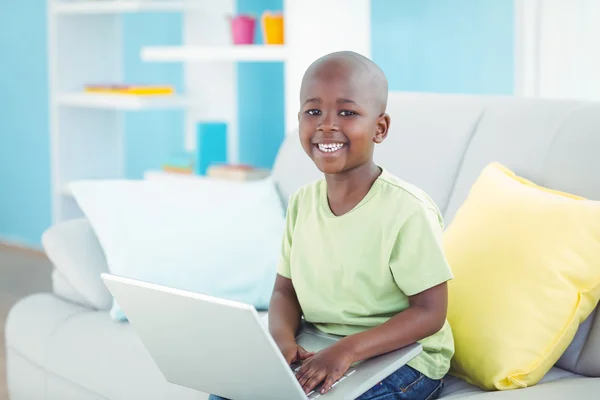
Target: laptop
[(223, 347)]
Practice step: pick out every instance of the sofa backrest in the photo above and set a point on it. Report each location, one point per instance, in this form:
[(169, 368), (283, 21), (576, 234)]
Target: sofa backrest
[(442, 142)]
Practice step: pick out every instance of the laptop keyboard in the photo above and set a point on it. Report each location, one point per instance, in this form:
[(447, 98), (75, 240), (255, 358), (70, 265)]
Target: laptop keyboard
[(315, 393)]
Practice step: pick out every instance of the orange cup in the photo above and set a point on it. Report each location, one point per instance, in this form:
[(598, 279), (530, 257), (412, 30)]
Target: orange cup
[(272, 28)]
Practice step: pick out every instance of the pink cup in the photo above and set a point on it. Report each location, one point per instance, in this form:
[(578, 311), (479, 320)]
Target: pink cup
[(242, 29)]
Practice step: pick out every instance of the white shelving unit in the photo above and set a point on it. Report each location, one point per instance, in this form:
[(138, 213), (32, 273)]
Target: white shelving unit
[(86, 129), (85, 46), (120, 6), (121, 102), (215, 53)]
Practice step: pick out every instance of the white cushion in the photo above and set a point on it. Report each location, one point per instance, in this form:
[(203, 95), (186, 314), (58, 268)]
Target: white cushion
[(215, 237), (63, 289), (73, 249)]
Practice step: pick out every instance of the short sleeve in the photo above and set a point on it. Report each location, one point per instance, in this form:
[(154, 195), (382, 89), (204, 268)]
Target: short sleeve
[(417, 260), (283, 267)]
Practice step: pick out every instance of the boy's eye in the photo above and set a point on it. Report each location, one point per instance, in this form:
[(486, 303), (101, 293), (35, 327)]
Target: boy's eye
[(313, 112), (347, 113)]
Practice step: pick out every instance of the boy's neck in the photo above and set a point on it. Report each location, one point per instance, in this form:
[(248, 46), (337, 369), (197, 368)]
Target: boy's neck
[(345, 190)]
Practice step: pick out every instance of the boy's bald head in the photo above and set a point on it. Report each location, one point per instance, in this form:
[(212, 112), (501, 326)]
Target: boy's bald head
[(342, 116), (363, 73)]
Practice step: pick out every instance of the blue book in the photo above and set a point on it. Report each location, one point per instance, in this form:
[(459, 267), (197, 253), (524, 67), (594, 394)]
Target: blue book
[(211, 146)]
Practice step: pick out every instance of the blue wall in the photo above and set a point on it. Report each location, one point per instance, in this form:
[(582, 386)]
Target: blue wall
[(453, 46), (260, 112), (151, 136), (24, 133), (260, 98)]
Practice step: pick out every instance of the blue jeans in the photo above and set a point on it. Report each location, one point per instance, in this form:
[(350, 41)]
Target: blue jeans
[(405, 384)]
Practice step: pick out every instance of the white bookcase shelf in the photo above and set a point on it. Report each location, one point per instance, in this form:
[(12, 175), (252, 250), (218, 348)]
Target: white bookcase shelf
[(74, 7), (121, 102), (215, 53)]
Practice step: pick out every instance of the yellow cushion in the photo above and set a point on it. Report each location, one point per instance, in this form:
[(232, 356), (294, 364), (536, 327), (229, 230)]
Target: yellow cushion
[(526, 262)]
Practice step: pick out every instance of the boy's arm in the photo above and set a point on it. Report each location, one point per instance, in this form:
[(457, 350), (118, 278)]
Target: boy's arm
[(284, 311), (420, 269), (425, 316), (284, 320)]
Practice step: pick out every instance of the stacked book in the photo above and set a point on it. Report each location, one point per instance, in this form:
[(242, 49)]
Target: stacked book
[(134, 90)]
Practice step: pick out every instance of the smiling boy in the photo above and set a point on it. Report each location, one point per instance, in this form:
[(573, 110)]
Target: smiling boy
[(362, 254)]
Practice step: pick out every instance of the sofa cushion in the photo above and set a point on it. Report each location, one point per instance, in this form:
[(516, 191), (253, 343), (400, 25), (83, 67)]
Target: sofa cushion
[(527, 273), (426, 151), (547, 141)]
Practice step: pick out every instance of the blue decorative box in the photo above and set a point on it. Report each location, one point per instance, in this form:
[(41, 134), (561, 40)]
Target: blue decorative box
[(211, 145)]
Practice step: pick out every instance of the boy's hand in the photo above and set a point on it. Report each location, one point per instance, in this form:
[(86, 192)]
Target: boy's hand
[(328, 365), (294, 353)]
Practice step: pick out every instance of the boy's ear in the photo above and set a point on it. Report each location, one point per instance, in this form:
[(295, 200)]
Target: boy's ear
[(382, 128)]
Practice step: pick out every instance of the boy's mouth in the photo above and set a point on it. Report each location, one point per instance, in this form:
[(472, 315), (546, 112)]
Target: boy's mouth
[(329, 147)]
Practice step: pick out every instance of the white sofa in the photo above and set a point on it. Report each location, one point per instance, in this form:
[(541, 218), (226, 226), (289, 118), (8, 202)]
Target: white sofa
[(62, 345)]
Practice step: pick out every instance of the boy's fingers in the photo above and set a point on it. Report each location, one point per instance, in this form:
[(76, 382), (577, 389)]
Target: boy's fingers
[(328, 383), (314, 381), (303, 354), (304, 368), (304, 376)]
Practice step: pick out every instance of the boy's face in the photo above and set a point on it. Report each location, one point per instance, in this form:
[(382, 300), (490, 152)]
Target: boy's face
[(340, 120)]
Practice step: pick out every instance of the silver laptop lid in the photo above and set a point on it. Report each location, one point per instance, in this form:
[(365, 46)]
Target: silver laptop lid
[(195, 341)]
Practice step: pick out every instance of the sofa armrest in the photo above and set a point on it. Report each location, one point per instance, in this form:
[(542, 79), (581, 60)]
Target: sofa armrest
[(78, 259)]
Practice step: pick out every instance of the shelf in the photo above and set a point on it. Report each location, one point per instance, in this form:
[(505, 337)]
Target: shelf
[(215, 53), (121, 102), (120, 6)]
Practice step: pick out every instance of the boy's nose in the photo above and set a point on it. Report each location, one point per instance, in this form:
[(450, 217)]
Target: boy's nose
[(328, 123)]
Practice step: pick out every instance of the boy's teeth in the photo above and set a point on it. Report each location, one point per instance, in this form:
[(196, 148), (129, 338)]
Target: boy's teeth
[(330, 147)]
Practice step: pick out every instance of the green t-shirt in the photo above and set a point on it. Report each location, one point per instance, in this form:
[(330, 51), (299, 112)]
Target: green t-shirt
[(355, 271)]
